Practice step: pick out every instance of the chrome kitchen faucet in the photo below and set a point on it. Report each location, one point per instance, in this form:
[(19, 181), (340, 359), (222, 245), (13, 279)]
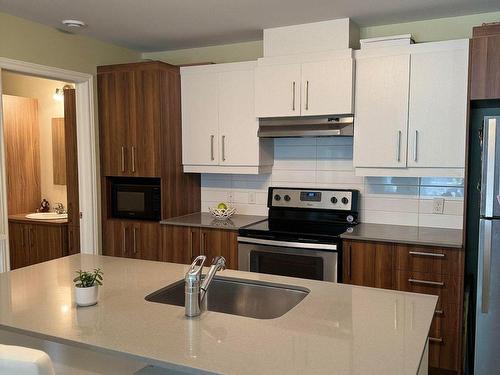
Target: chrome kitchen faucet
[(195, 289)]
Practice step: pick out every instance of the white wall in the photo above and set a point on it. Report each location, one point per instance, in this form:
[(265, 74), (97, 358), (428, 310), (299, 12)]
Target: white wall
[(48, 108), (327, 163)]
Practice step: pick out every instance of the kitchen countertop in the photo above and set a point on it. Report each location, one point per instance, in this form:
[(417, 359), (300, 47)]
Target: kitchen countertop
[(406, 234), (24, 219), (336, 329), (206, 220)]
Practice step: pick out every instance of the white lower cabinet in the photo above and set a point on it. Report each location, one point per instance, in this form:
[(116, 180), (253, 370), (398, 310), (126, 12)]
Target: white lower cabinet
[(219, 127), (411, 110)]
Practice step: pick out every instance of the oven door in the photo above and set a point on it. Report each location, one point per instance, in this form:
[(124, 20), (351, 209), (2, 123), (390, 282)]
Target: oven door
[(294, 259)]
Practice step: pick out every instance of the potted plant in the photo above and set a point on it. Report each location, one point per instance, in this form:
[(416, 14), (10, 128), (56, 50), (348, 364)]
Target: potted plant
[(86, 287)]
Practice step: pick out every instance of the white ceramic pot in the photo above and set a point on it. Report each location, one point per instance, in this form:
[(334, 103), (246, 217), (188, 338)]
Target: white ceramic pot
[(86, 296)]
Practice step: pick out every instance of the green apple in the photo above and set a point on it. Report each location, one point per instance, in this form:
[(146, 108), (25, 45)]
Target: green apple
[(222, 206)]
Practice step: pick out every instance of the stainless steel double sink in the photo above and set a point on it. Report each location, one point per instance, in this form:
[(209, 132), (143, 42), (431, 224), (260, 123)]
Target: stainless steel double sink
[(249, 298)]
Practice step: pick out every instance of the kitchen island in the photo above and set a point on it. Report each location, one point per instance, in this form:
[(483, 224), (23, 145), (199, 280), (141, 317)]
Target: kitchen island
[(336, 329)]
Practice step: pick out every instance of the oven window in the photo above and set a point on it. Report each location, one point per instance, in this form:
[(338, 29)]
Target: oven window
[(306, 267), (130, 201)]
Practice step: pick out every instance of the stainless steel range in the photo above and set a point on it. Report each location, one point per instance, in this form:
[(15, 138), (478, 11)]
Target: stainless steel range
[(301, 237)]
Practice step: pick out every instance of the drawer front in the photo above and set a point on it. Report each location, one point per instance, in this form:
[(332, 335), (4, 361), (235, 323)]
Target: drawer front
[(428, 259), (447, 287), (446, 319), (444, 350)]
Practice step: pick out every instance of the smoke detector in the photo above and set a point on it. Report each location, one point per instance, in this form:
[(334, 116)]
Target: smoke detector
[(73, 23)]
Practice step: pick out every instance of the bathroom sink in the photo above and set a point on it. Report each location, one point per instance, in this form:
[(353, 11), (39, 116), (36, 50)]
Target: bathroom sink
[(46, 216), (249, 298)]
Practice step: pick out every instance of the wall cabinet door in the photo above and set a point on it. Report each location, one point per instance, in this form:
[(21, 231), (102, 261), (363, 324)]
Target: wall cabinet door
[(179, 244), (381, 115), (277, 90), (327, 87), (200, 119), (485, 69), (144, 136), (239, 144), (216, 242), (438, 109), (115, 103), (368, 264)]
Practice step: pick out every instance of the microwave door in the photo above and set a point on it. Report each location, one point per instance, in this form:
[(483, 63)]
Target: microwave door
[(490, 178)]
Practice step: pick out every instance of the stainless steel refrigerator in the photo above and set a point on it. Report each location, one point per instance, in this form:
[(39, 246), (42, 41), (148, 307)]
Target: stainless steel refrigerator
[(487, 342)]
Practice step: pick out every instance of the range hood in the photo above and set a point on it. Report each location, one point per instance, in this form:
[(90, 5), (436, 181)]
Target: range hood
[(320, 126)]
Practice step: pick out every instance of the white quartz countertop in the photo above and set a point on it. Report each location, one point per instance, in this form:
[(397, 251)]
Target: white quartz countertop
[(336, 329)]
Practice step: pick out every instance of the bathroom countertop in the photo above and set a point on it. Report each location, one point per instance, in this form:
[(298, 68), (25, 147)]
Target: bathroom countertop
[(21, 218), (206, 220), (335, 329), (406, 234)]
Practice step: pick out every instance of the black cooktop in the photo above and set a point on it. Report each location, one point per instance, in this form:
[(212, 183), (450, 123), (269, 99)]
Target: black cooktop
[(295, 230)]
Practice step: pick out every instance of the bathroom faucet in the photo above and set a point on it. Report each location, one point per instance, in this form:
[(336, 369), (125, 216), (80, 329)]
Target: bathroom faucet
[(59, 208), (195, 289)]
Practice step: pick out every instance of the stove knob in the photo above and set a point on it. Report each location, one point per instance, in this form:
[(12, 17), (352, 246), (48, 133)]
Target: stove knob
[(287, 198), (334, 200), (345, 200), (277, 197)]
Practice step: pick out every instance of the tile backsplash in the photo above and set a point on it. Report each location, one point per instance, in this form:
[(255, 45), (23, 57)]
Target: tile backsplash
[(327, 163)]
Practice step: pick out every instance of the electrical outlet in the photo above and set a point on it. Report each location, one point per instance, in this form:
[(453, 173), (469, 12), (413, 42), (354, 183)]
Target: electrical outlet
[(251, 198), (437, 205)]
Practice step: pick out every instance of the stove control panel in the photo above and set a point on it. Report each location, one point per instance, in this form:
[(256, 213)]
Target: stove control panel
[(330, 199)]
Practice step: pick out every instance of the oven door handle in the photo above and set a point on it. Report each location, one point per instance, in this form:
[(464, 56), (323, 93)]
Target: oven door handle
[(297, 245)]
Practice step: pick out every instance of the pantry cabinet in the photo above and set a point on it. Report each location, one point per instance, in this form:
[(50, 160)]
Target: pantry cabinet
[(219, 127), (309, 85), (411, 110)]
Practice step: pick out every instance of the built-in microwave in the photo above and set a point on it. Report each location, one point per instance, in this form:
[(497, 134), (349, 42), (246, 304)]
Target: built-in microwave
[(135, 198)]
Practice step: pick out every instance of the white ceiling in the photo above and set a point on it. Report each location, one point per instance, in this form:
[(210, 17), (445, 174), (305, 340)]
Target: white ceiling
[(153, 25)]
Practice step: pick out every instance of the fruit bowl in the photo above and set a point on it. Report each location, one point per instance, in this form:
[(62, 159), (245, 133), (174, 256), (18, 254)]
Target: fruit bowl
[(222, 213)]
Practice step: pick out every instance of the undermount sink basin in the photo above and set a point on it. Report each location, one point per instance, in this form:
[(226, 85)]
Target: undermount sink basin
[(46, 216), (254, 299)]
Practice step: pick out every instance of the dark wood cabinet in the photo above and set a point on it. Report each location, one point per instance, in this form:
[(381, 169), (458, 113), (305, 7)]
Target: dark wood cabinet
[(32, 243), (485, 63), (181, 244), (131, 239), (419, 269), (368, 264)]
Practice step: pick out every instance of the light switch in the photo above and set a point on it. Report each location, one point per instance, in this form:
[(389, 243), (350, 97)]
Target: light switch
[(438, 205)]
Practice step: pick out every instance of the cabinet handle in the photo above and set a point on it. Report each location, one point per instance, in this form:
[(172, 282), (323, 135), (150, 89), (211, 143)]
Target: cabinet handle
[(293, 96), (350, 262), (212, 147), (203, 243), (133, 159), (415, 146), (30, 236), (398, 148), (436, 339), (134, 233), (123, 159), (124, 239), (424, 254), (426, 282), (307, 95), (439, 312), (223, 148)]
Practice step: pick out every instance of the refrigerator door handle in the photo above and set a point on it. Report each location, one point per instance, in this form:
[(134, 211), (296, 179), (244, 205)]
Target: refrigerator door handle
[(490, 167), (486, 249)]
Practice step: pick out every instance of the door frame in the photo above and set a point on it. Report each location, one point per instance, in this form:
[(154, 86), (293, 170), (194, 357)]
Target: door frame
[(86, 150)]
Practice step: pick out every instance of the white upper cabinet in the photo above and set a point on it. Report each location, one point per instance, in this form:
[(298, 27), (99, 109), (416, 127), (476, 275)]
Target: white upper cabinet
[(277, 90), (219, 127), (305, 85), (325, 91), (438, 109), (411, 110), (381, 115), (200, 119)]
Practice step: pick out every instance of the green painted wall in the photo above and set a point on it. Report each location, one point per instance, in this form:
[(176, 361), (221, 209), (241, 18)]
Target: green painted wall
[(422, 31), (25, 40)]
